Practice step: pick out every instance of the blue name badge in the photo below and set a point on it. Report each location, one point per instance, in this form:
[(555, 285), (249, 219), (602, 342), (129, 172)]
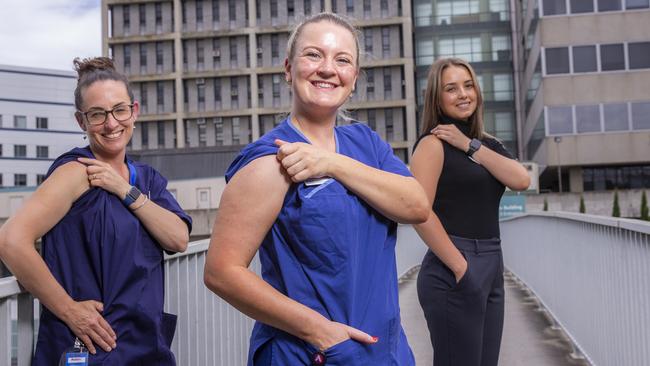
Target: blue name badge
[(76, 359)]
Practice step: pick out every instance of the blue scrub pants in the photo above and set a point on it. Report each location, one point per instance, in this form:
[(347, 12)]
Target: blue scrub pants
[(465, 319)]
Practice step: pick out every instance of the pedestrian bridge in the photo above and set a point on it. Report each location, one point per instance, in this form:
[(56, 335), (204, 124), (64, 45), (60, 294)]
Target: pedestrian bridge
[(577, 293)]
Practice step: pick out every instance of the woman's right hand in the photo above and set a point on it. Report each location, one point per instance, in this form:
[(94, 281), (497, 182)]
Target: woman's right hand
[(334, 333), (460, 272), (85, 320)]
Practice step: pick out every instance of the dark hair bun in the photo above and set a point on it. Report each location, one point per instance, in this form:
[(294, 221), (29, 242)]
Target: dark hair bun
[(89, 65)]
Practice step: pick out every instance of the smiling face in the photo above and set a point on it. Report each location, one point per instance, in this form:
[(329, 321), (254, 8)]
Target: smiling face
[(111, 137), (323, 69), (458, 95)]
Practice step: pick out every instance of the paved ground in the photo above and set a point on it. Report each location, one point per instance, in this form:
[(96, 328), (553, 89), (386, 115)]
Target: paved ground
[(528, 338)]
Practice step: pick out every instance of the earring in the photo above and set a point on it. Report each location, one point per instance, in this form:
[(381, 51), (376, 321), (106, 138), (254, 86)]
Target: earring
[(85, 136)]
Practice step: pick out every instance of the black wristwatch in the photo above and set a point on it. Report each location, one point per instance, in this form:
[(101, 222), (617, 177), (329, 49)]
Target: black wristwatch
[(474, 145), (131, 196)]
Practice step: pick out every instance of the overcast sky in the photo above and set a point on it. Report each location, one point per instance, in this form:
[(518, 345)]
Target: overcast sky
[(49, 33)]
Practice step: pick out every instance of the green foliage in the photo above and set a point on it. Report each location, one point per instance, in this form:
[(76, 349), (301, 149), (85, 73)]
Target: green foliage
[(644, 207), (582, 205), (545, 205), (616, 209)]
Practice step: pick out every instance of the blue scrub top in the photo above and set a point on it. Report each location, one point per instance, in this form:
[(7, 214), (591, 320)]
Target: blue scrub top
[(100, 251), (332, 252)]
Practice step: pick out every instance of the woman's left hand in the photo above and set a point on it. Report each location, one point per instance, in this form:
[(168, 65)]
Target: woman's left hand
[(303, 161), (452, 135), (103, 175)]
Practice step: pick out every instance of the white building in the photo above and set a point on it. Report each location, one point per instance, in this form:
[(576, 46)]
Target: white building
[(36, 122)]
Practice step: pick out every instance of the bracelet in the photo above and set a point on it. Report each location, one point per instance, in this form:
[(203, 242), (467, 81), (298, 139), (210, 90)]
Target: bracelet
[(146, 198)]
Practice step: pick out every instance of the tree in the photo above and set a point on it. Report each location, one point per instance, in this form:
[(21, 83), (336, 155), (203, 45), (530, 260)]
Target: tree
[(644, 207), (616, 209), (582, 205), (545, 205)]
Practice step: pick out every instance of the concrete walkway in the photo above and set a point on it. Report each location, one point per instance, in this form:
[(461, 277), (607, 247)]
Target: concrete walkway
[(528, 338)]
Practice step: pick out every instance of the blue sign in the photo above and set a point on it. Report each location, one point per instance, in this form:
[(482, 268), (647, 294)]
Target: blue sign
[(512, 205)]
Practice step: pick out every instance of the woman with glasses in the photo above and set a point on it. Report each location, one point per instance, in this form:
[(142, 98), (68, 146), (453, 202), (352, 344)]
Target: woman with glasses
[(104, 221)]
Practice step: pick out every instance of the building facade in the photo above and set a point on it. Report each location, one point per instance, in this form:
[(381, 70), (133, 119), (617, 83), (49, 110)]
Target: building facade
[(210, 73), (37, 122), (585, 92), (479, 31)]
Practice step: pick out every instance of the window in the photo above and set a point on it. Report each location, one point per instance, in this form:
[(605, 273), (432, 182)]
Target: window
[(200, 94), (552, 7), (20, 151), (200, 54), (639, 55), (503, 128), (424, 51), (202, 129), (370, 84), (366, 7), (199, 11), (216, 52), (502, 87), (142, 14), (184, 12), (0, 151), (390, 130), (42, 151), (1, 181), (501, 48), (20, 122), (235, 131), (275, 46), (276, 90), (40, 178), (307, 7), (234, 93), (159, 55), (41, 123), (367, 40), (349, 6), (423, 14), (217, 91), (126, 15), (383, 5), (609, 5), (587, 118), (581, 6), (468, 48), (160, 93), (291, 8), (20, 180), (143, 57), (233, 50), (372, 119), (218, 131), (143, 95), (158, 11), (557, 60), (274, 8), (232, 10), (615, 117), (215, 11), (584, 59), (560, 120), (612, 57), (185, 55), (641, 115), (145, 134), (388, 85), (127, 56), (636, 4), (161, 133), (385, 41)]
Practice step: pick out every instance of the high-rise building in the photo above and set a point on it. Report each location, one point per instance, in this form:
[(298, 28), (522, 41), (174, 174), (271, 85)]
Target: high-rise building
[(585, 92), (480, 32), (37, 122), (209, 74)]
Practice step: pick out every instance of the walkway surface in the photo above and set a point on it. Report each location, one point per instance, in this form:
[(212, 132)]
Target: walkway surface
[(528, 338)]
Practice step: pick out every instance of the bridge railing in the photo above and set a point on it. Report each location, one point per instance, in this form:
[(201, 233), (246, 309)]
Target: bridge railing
[(209, 331), (592, 274)]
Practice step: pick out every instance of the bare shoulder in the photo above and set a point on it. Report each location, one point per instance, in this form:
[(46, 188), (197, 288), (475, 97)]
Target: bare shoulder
[(428, 146)]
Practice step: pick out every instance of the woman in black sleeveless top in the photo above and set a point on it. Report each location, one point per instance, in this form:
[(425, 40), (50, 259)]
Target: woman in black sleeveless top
[(464, 172)]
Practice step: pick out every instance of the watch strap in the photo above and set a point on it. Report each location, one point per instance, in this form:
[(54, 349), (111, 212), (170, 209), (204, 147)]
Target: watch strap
[(474, 145), (131, 196)]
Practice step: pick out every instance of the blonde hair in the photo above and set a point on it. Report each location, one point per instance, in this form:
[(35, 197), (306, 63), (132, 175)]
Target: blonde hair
[(432, 112)]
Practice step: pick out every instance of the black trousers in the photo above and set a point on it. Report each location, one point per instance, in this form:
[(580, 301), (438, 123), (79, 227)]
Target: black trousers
[(465, 319)]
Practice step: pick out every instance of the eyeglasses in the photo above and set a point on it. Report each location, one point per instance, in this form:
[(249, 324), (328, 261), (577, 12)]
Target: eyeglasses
[(98, 117)]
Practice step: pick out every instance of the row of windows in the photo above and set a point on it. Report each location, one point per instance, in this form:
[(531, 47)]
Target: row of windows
[(606, 117), (618, 177), (20, 151), (21, 122), (594, 58), (217, 131), (560, 7), (458, 12), (150, 58), (477, 48), (20, 180)]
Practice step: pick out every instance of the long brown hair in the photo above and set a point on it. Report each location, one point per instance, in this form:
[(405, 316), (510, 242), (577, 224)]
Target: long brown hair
[(432, 113)]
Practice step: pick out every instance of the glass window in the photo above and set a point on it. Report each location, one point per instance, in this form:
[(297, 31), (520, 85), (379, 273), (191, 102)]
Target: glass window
[(142, 10), (160, 93), (552, 7), (42, 152), (557, 60), (503, 127), (560, 120), (159, 54), (385, 41), (639, 55), (367, 40), (372, 119), (144, 134), (582, 6), (199, 11), (501, 48), (20, 151), (143, 55), (388, 115), (615, 117), (158, 12), (423, 14), (20, 180), (612, 57), (501, 7), (40, 178), (636, 4), (41, 123), (502, 87), (233, 50), (641, 115), (160, 129), (609, 5), (584, 59), (587, 118), (20, 122), (215, 11), (424, 50)]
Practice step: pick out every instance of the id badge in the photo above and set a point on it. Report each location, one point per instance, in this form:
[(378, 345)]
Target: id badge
[(75, 356)]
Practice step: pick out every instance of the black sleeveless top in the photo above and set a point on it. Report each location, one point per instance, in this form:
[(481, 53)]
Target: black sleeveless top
[(467, 198)]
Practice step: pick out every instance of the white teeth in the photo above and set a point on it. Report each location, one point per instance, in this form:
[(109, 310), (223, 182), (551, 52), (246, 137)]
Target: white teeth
[(324, 85), (114, 135)]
